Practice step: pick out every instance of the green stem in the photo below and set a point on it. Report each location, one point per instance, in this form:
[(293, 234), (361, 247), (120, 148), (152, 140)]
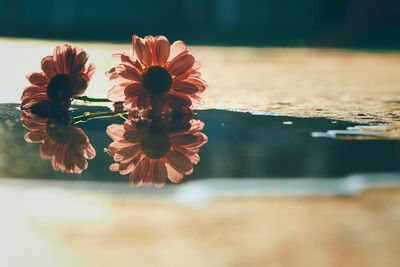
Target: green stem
[(97, 115), (91, 99)]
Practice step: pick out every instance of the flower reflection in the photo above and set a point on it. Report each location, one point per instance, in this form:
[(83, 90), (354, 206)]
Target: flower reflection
[(156, 149), (66, 146)]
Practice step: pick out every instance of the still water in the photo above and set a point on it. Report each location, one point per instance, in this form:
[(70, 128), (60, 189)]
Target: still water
[(240, 145)]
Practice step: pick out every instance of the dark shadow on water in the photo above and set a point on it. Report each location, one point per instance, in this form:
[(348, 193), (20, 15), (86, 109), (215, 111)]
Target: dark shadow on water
[(239, 145)]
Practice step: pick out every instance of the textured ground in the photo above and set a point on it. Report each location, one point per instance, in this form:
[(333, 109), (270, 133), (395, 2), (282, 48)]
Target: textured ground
[(58, 227), (51, 226)]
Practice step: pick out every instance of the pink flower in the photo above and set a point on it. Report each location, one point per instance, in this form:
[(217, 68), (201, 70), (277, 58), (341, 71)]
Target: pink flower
[(66, 146), (64, 75), (154, 151), (157, 75)]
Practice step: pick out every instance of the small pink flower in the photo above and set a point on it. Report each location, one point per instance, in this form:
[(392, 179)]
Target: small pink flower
[(64, 75), (157, 75), (66, 146), (155, 151)]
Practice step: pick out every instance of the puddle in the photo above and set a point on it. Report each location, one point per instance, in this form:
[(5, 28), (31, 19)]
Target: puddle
[(240, 145)]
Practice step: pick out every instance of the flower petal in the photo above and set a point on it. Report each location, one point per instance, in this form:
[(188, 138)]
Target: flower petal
[(177, 101), (176, 48), (184, 139), (179, 161), (38, 79), (142, 51), (159, 173), (162, 50), (185, 87), (36, 136), (173, 175), (48, 66), (115, 131), (181, 63), (116, 94), (133, 90)]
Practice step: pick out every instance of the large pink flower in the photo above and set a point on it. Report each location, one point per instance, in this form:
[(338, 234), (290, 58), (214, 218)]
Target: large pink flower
[(64, 75), (153, 152), (66, 146), (157, 75)]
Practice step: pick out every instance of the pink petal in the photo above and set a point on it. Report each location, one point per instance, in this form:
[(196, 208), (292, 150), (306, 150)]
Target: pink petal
[(181, 63), (59, 59), (137, 175), (176, 100), (184, 139), (89, 152), (27, 102), (159, 173), (90, 70), (126, 152), (46, 149), (48, 66), (36, 136), (114, 167), (197, 126), (179, 161), (143, 101), (115, 131), (116, 94), (185, 87), (33, 90), (127, 166), (133, 136), (177, 48), (128, 73), (173, 175), (142, 51), (80, 59), (151, 43), (38, 79), (162, 50), (198, 82), (116, 146), (133, 90)]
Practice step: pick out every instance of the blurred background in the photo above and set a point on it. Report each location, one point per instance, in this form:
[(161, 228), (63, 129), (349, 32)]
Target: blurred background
[(370, 24)]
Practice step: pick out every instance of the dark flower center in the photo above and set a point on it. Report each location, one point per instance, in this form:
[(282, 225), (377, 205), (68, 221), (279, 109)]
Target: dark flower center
[(157, 80), (155, 145), (55, 111), (59, 87), (61, 133)]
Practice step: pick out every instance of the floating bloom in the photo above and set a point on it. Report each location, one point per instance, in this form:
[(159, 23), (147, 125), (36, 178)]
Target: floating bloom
[(157, 150), (66, 146), (64, 75), (157, 75)]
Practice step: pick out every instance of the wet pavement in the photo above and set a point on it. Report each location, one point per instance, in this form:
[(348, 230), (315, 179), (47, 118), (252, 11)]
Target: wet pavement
[(240, 145)]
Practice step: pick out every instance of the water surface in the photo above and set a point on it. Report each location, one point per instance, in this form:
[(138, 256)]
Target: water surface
[(240, 145)]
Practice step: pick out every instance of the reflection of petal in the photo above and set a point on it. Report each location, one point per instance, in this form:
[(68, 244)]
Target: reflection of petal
[(173, 175), (184, 139), (115, 131), (160, 173), (179, 161), (157, 148), (35, 136), (46, 149), (66, 146)]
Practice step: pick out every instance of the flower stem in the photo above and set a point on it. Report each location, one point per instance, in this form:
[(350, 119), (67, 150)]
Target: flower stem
[(91, 99), (97, 115)]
